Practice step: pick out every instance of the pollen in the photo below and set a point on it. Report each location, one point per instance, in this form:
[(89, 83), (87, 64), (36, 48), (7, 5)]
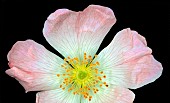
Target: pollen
[(81, 76)]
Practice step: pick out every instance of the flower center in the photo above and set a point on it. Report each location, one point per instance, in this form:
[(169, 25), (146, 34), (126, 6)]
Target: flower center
[(82, 77)]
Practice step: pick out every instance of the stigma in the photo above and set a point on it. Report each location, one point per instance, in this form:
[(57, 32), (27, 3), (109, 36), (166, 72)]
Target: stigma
[(82, 77)]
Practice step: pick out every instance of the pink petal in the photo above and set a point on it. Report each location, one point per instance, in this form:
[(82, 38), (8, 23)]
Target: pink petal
[(73, 33), (130, 60), (113, 95), (34, 81), (57, 96), (34, 66), (146, 70), (109, 95), (123, 95)]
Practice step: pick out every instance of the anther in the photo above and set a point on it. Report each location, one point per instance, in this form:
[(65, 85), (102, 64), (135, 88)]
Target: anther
[(58, 75), (100, 78), (65, 59), (97, 63), (76, 59), (90, 57), (96, 70), (100, 85)]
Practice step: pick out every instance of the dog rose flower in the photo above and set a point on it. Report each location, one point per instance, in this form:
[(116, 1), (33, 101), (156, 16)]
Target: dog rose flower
[(82, 76)]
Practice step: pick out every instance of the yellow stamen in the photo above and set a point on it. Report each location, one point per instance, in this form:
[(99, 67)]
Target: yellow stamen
[(81, 77)]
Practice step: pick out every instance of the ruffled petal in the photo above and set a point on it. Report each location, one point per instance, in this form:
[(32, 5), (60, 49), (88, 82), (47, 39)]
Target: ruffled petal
[(34, 66), (73, 33), (112, 95), (128, 61), (57, 96)]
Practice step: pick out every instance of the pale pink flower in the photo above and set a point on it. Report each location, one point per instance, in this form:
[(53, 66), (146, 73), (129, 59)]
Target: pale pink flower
[(83, 77)]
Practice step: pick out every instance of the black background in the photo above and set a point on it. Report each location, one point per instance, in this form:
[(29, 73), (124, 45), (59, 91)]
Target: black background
[(21, 20)]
